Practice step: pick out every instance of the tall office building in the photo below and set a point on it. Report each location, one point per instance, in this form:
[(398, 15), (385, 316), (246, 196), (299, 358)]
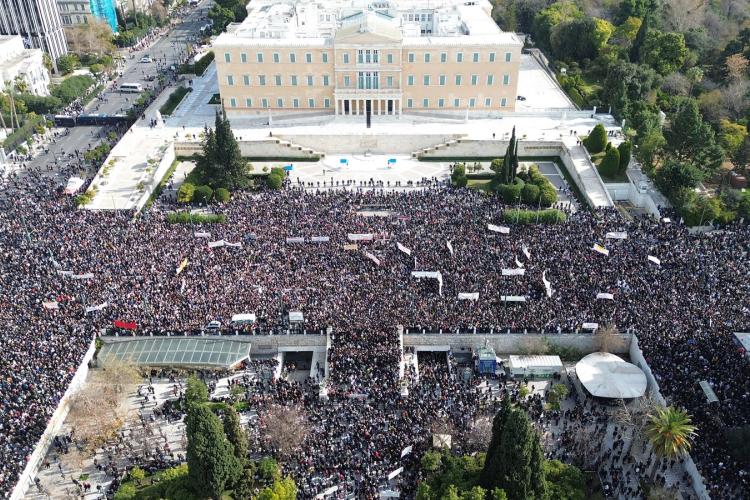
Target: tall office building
[(375, 57), (37, 21)]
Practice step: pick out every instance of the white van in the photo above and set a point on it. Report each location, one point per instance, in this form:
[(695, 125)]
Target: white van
[(131, 87)]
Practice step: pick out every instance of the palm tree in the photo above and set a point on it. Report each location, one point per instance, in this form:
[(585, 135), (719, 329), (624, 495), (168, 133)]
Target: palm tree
[(670, 431)]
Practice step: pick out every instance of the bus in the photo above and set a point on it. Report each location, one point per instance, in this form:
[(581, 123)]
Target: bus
[(131, 87)]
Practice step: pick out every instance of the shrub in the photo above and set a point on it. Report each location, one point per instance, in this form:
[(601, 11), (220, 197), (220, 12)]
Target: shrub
[(187, 218), (530, 193), (610, 165), (72, 87), (96, 69), (41, 105), (548, 195), (274, 181), (597, 140), (67, 63), (22, 134), (221, 195), (625, 150), (520, 216), (511, 193), (203, 194), (186, 192), (458, 176)]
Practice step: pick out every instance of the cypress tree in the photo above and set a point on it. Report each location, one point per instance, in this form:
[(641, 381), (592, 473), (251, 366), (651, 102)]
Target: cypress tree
[(212, 464), (235, 434), (488, 476), (222, 160), (640, 37)]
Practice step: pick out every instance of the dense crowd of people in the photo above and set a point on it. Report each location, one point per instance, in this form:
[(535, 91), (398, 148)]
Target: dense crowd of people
[(58, 261)]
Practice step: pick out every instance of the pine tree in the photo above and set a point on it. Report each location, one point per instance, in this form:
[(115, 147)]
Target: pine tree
[(210, 456), (235, 433)]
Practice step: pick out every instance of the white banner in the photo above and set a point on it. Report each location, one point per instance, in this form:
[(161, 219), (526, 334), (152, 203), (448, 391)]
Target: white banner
[(96, 308), (653, 259), (406, 451), (55, 263), (233, 245), (525, 251), (605, 296), (513, 298), (547, 284), (295, 239), (513, 272), (600, 249), (450, 246), (84, 276), (50, 305), (360, 236), (590, 326), (202, 235), (430, 274), (616, 235), (403, 248), (372, 258), (320, 239), (325, 493), (468, 296), (65, 273), (498, 229), (214, 244), (518, 262), (74, 184), (395, 473)]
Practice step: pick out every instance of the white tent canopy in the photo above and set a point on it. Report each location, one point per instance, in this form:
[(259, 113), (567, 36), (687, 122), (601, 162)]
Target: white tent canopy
[(536, 364), (605, 375)]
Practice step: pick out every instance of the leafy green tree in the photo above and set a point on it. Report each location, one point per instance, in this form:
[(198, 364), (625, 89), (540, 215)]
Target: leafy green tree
[(431, 461), (221, 195), (235, 433), (186, 192), (624, 151), (580, 39), (597, 139), (283, 489), (498, 494), (690, 138), (458, 175), (221, 161), (212, 464), (675, 175), (627, 83), (732, 136), (670, 431), (221, 17), (196, 391), (530, 193), (516, 463), (665, 52), (565, 482), (496, 165), (625, 33), (424, 492), (67, 63), (545, 20)]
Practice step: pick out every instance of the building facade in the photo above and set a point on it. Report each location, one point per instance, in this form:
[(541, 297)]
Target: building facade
[(80, 12), (390, 57), (37, 21), (25, 67)]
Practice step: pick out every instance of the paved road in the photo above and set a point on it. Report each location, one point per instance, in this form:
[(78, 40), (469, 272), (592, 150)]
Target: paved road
[(56, 163)]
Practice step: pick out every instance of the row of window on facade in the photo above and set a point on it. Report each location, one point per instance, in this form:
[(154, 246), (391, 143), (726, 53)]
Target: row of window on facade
[(370, 80), (367, 56), (410, 103)]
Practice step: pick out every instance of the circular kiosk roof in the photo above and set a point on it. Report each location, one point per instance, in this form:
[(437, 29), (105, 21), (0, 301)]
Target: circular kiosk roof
[(605, 375)]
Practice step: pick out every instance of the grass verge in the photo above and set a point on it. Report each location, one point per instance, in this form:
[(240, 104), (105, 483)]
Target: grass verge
[(188, 218), (174, 100)]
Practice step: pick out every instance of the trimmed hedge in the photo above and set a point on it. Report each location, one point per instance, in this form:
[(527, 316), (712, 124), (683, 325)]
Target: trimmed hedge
[(174, 99), (203, 63), (221, 195), (187, 218), (520, 216), (24, 132)]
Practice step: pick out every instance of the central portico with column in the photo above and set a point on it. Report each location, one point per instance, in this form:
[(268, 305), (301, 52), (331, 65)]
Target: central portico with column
[(367, 66)]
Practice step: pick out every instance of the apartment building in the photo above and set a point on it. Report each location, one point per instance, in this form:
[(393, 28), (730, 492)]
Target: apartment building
[(81, 12), (22, 66), (37, 21), (354, 58)]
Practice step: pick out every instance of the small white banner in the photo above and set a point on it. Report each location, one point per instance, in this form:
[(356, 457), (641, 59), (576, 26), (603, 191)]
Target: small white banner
[(525, 251), (468, 296), (616, 235), (372, 258), (518, 262), (450, 246), (395, 473), (547, 284), (320, 239), (513, 272), (498, 229), (233, 245), (73, 185), (590, 326), (65, 273), (655, 260), (96, 308), (406, 451), (202, 235), (84, 276), (50, 305), (295, 239), (403, 248), (600, 249), (605, 296), (513, 298), (360, 236), (215, 244)]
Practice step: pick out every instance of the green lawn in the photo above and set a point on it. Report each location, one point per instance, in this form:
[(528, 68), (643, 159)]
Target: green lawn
[(479, 185)]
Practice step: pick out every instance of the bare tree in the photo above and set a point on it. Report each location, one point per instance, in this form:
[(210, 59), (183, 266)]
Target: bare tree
[(479, 434), (736, 66), (533, 344), (634, 416), (735, 98), (95, 37), (284, 428), (606, 337)]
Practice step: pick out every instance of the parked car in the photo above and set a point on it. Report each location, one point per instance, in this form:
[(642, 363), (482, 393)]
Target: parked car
[(146, 59)]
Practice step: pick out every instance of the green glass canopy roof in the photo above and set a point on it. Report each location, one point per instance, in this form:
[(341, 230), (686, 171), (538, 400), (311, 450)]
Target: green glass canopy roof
[(209, 352)]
